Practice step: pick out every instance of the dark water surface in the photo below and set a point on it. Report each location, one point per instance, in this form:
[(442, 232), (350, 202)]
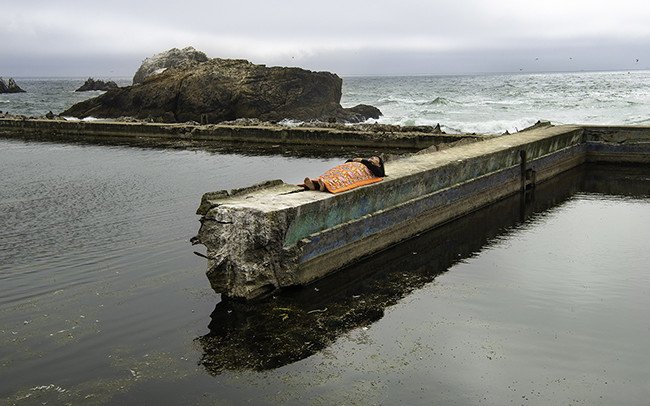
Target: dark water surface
[(103, 302)]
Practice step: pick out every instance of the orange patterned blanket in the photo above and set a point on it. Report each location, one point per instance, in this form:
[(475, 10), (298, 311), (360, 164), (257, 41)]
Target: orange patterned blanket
[(347, 176)]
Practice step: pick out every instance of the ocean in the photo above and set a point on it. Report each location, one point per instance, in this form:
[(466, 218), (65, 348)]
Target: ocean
[(493, 104), (482, 104), (103, 302)]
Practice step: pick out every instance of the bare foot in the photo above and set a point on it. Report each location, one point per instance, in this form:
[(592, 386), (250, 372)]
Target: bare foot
[(310, 185)]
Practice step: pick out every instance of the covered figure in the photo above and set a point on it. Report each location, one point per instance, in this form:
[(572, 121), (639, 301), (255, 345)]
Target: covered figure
[(353, 173)]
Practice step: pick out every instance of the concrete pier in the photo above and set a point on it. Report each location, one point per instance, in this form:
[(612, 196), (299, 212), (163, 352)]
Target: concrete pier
[(274, 235)]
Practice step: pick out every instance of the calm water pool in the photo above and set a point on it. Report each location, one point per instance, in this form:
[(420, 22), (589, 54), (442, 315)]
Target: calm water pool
[(103, 302)]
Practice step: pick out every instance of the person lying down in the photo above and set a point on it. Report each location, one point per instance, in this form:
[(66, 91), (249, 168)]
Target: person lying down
[(353, 173)]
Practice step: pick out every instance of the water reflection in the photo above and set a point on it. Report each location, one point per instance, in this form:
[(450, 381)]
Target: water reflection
[(296, 324)]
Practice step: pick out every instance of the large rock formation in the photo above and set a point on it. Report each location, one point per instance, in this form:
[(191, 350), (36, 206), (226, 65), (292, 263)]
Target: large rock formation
[(165, 60), (92, 84), (11, 87), (225, 89)]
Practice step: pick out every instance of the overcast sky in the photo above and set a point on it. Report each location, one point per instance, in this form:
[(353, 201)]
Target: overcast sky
[(347, 37)]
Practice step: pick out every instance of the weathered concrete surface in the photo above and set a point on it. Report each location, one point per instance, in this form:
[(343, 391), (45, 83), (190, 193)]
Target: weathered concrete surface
[(618, 144), (278, 235), (283, 135)]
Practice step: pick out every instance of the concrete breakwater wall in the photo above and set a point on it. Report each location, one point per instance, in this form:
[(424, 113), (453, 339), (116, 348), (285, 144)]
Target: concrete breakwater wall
[(274, 235), (272, 134)]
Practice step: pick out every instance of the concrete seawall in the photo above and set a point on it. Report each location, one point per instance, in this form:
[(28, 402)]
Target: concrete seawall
[(272, 135), (275, 235)]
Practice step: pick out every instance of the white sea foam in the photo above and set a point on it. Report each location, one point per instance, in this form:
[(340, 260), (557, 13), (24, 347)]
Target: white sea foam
[(91, 119)]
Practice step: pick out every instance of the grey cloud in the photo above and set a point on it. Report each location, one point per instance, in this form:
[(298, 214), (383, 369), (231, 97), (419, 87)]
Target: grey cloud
[(361, 37)]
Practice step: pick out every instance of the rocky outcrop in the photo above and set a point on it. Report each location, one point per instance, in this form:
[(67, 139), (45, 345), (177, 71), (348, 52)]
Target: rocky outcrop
[(92, 84), (165, 60), (10, 87), (220, 90)]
